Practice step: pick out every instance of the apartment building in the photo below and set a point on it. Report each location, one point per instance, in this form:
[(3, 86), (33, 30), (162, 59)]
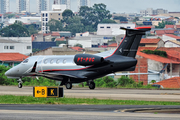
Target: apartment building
[(22, 5), (43, 5), (65, 2), (84, 3), (4, 6)]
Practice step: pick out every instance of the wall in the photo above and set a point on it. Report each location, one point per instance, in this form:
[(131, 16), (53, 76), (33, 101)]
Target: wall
[(166, 38), (170, 44), (112, 29), (141, 67), (18, 48)]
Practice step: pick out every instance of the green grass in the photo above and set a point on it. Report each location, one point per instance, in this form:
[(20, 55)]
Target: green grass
[(11, 99)]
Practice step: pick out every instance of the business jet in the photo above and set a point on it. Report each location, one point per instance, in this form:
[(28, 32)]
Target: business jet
[(82, 67)]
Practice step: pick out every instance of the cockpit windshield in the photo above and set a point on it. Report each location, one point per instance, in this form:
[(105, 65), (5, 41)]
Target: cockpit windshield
[(26, 61)]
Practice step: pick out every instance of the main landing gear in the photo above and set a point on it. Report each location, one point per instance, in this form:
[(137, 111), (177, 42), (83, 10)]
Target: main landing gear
[(91, 85), (68, 85), (20, 83)]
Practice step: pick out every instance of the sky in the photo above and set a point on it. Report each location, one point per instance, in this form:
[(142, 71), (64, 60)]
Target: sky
[(119, 6)]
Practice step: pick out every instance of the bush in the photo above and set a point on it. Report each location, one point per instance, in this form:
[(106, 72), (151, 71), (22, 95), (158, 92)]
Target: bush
[(123, 81), (155, 52), (105, 82)]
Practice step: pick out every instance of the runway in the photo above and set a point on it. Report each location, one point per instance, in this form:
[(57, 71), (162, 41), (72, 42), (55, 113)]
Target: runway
[(116, 94), (89, 112), (79, 112)]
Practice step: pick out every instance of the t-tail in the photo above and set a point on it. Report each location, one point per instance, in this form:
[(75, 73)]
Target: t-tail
[(129, 45)]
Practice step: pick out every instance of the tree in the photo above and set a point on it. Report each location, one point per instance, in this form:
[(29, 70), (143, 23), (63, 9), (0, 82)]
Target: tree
[(100, 13), (136, 19), (14, 30), (32, 30), (107, 21), (94, 15), (163, 24), (78, 45), (74, 25), (55, 25), (67, 14)]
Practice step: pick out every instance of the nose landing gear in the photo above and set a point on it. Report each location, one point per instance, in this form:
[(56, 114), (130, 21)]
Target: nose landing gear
[(20, 83)]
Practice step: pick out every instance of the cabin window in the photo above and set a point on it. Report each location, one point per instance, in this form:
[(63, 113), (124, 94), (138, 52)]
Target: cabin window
[(11, 47), (101, 27), (64, 61), (25, 61), (58, 61), (108, 27), (45, 61), (52, 61)]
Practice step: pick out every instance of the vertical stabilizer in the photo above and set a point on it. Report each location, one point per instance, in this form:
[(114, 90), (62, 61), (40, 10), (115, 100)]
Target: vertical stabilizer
[(129, 45)]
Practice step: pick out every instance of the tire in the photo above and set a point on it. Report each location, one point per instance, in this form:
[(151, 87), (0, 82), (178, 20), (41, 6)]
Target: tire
[(68, 85), (92, 85), (20, 85)]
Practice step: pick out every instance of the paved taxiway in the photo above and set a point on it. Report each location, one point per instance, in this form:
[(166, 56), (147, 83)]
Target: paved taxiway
[(79, 112), (118, 94)]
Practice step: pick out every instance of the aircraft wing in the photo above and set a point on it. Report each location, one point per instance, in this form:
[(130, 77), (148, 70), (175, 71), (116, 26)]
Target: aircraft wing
[(117, 74), (58, 75)]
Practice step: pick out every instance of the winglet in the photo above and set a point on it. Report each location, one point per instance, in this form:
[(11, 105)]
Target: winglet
[(34, 67)]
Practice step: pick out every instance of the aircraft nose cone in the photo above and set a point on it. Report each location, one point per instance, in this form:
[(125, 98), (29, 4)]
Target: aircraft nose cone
[(7, 73)]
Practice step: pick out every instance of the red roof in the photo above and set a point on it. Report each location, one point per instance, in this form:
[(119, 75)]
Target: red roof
[(148, 40), (60, 39), (55, 34), (170, 83), (113, 45), (173, 36), (77, 48), (162, 32), (172, 53), (146, 48), (169, 26), (12, 57), (177, 26), (46, 34), (157, 58)]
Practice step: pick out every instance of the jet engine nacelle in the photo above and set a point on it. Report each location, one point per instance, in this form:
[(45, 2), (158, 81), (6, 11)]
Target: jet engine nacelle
[(87, 59)]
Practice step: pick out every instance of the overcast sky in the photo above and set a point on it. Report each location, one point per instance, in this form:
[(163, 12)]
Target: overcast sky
[(119, 6)]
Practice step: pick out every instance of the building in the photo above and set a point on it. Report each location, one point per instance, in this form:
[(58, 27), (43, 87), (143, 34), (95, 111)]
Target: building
[(84, 3), (66, 2), (22, 5), (150, 11), (43, 5), (55, 14), (167, 37), (4, 6), (112, 29), (11, 59), (21, 45), (152, 42), (172, 43), (63, 51)]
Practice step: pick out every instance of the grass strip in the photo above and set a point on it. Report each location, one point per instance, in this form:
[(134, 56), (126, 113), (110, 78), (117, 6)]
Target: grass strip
[(12, 99)]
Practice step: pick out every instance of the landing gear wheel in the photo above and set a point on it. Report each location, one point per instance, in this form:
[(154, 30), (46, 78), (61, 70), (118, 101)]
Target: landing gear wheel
[(20, 85), (91, 85), (68, 85)]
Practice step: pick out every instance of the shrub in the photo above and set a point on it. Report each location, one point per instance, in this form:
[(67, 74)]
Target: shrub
[(123, 81)]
